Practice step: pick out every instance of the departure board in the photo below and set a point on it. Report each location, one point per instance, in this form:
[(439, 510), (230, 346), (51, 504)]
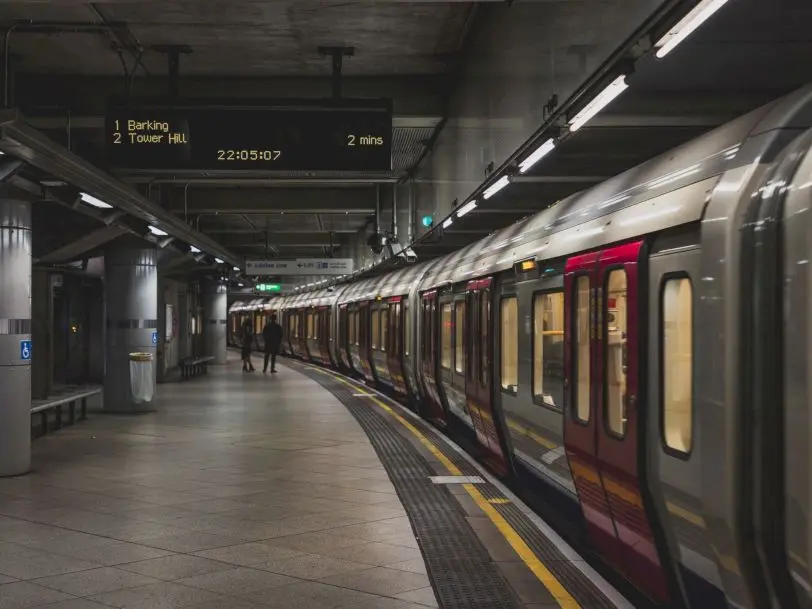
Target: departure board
[(281, 137)]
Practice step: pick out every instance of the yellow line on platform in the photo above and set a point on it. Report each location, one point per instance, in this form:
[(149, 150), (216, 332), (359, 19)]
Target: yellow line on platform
[(539, 569)]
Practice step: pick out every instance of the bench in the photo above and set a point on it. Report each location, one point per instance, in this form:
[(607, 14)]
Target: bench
[(56, 402), (192, 366)]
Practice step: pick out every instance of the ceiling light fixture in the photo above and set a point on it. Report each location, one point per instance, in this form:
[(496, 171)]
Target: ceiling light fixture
[(157, 231), (538, 154), (603, 99), (194, 250), (687, 25), (496, 187), (93, 201), (218, 261), (236, 268), (448, 222), (470, 206)]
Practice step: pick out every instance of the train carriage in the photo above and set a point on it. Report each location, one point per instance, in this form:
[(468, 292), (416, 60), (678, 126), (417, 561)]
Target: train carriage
[(633, 360)]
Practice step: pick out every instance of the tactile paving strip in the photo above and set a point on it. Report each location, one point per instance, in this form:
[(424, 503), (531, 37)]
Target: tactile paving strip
[(458, 565), (582, 589)]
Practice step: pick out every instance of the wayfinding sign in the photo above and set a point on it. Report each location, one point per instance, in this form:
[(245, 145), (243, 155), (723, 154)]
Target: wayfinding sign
[(300, 266), (280, 135)]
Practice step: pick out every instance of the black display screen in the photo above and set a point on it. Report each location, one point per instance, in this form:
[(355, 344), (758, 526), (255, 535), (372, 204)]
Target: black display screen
[(290, 137)]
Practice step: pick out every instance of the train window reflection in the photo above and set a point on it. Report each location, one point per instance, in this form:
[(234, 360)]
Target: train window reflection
[(510, 343), (677, 363), (384, 328), (548, 349), (376, 328), (459, 333), (407, 328), (615, 315), (445, 329), (583, 328)]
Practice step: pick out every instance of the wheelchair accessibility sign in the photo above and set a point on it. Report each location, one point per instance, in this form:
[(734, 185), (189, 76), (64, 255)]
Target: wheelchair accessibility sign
[(155, 338), (25, 350)]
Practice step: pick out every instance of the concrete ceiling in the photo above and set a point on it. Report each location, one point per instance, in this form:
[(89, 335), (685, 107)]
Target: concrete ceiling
[(239, 48)]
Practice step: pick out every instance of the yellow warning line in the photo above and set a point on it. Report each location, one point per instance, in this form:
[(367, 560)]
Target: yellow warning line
[(550, 581)]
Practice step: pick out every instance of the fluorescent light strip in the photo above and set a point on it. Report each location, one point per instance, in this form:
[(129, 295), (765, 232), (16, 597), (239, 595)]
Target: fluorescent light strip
[(236, 268), (687, 25), (448, 222), (194, 250), (157, 231), (218, 261), (91, 200), (470, 206), (540, 152), (496, 187), (603, 99)]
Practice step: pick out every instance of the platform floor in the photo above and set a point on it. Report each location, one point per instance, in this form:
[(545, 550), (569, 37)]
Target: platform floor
[(242, 490)]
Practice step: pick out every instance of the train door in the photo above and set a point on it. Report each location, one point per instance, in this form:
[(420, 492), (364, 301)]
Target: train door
[(343, 336), (428, 343), (408, 355), (479, 377), (604, 431), (332, 341), (394, 346), (365, 340)]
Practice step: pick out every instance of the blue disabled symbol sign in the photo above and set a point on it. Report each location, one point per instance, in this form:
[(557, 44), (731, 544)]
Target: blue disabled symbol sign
[(25, 350), (155, 338)]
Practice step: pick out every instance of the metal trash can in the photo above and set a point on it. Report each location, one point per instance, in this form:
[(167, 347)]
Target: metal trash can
[(142, 377)]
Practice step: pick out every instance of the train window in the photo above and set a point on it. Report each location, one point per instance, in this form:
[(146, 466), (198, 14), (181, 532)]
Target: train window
[(583, 327), (407, 328), (548, 349), (384, 327), (676, 363), (376, 328), (459, 333), (616, 337), (509, 338), (445, 361), (485, 329)]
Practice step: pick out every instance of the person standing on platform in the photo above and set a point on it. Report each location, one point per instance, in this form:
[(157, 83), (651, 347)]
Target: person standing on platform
[(247, 344), (272, 333)]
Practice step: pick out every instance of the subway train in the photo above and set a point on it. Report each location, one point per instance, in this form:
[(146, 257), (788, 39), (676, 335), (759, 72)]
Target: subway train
[(634, 360)]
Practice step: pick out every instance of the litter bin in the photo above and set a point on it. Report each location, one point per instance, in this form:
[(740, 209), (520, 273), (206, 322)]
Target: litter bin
[(142, 377)]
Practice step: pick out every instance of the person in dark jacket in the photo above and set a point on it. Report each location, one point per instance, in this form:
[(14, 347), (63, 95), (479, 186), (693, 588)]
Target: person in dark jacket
[(272, 333), (247, 344)]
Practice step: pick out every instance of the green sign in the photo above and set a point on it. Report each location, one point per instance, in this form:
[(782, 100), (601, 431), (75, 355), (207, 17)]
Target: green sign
[(428, 221), (268, 287)]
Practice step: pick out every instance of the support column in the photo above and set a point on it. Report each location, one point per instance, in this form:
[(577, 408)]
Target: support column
[(215, 320), (131, 295), (15, 337)]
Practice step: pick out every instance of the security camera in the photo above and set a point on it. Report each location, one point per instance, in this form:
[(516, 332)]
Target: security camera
[(376, 243)]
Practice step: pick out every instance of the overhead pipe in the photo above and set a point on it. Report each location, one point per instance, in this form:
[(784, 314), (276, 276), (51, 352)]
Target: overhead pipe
[(58, 27)]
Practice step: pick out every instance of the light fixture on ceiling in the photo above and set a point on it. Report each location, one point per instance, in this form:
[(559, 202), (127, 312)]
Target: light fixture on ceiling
[(601, 100), (496, 187), (194, 250), (468, 207), (687, 25), (448, 222), (241, 285), (218, 261), (52, 183), (157, 231), (236, 268), (538, 154), (94, 202)]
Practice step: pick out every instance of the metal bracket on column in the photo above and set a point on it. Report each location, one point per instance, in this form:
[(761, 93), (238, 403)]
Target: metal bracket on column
[(337, 54), (173, 52)]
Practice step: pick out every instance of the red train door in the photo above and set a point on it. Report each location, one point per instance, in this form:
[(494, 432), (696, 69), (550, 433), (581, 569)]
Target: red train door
[(479, 377), (365, 346), (394, 346), (428, 346), (602, 433)]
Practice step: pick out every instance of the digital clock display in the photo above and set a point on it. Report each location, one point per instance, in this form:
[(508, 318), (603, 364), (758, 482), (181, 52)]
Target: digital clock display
[(344, 135)]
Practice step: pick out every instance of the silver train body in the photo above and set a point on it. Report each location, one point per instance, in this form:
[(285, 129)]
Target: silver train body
[(635, 360)]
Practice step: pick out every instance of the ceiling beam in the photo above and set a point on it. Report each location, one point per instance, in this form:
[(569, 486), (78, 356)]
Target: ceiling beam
[(311, 239), (74, 250), (412, 95), (274, 200)]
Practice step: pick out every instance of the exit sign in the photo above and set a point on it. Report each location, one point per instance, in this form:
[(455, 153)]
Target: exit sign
[(268, 287)]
